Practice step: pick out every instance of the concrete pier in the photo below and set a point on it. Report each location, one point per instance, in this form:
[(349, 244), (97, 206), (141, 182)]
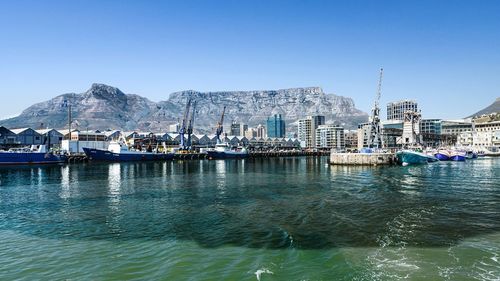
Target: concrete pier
[(372, 159)]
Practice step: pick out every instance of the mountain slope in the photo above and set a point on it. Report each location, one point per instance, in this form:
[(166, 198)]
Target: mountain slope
[(103, 107), (494, 107)]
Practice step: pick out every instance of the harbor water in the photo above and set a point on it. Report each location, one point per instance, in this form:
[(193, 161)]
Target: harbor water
[(294, 218)]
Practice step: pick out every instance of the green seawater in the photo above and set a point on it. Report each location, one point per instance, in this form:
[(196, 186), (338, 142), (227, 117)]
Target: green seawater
[(255, 219)]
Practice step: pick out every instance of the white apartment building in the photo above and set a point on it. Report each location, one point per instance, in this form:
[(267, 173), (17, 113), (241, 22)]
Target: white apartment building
[(330, 136), (307, 130)]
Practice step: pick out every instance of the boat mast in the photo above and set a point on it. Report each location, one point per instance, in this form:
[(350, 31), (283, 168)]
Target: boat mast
[(218, 132), (374, 140)]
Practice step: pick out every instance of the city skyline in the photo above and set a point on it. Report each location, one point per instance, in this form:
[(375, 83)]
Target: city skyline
[(440, 54)]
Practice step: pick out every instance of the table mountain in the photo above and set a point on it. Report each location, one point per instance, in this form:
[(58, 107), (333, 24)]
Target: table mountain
[(103, 107)]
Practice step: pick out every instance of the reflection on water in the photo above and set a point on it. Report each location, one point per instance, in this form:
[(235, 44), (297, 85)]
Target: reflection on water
[(363, 223), (258, 202)]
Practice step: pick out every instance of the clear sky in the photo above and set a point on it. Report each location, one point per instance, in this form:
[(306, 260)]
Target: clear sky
[(444, 54)]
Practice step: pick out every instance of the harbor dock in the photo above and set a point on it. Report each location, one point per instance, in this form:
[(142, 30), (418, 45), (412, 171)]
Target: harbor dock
[(371, 159)]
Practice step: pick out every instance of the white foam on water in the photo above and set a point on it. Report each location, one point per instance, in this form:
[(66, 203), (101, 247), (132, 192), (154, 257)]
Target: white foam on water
[(262, 271)]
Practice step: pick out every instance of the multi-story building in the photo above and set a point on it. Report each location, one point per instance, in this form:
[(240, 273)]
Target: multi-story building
[(243, 129), (307, 129), (351, 139), (459, 130), (261, 131), (396, 110), (330, 136), (235, 129), (430, 126), (275, 126), (392, 131), (487, 131), (363, 134)]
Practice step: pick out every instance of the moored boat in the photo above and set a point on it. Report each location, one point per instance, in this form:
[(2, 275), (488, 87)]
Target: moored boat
[(408, 157), (470, 154), (457, 155), (224, 151), (443, 155), (119, 152), (34, 155)]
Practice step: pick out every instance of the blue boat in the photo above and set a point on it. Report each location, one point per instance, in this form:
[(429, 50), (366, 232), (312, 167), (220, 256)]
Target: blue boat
[(33, 155), (224, 151), (443, 155), (410, 157), (119, 152), (456, 155)]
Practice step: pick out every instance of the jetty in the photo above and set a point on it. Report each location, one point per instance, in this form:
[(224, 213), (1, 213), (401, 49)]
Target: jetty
[(365, 159)]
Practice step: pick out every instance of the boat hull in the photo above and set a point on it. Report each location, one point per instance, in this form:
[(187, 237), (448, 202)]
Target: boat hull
[(459, 158), (442, 157), (27, 158), (226, 155), (412, 157), (108, 156)]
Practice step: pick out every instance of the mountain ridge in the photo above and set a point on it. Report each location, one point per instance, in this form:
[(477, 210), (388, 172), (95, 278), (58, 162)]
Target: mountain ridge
[(492, 108), (103, 106)]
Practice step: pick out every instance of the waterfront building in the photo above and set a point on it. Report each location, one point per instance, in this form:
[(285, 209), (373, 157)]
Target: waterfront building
[(275, 126), (396, 110), (113, 134), (455, 127), (487, 131), (351, 139), (430, 126), (251, 133), (261, 131), (330, 136), (27, 136), (174, 128), (51, 136), (7, 137), (235, 129), (307, 129), (243, 129), (81, 139), (392, 132), (363, 134)]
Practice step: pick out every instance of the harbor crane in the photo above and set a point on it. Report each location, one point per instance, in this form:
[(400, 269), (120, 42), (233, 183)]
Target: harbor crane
[(219, 130), (374, 138), (189, 130), (183, 129)]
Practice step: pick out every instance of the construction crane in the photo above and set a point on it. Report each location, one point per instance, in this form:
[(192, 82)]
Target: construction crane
[(183, 129), (218, 132), (190, 127), (374, 139)]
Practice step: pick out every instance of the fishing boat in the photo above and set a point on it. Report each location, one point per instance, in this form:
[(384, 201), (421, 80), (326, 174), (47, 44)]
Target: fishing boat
[(118, 151), (224, 151), (443, 155), (409, 157), (36, 154), (457, 155)]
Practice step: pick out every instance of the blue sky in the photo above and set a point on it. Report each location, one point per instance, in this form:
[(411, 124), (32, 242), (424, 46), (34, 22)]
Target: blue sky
[(444, 54)]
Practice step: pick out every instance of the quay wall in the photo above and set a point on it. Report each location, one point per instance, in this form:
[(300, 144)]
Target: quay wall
[(372, 159)]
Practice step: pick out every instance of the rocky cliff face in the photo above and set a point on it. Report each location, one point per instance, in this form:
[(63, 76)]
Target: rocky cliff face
[(103, 107)]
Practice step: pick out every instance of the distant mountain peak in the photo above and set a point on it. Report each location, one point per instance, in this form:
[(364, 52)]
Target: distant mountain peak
[(492, 108), (104, 91)]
